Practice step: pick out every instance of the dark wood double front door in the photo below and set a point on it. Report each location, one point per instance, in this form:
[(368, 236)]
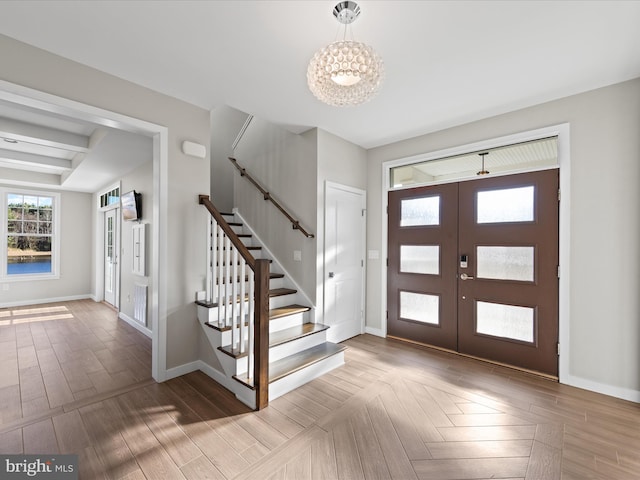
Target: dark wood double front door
[(473, 268)]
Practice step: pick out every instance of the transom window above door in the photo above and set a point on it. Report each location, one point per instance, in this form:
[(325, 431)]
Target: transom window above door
[(527, 156)]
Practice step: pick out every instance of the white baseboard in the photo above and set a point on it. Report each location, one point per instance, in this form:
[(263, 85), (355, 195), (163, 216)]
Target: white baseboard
[(182, 370), (39, 301), (378, 332), (242, 393), (612, 391), (135, 324)]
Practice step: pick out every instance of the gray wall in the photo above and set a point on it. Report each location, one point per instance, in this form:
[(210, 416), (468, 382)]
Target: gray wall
[(226, 123), (76, 210), (285, 164), (604, 229), (183, 266), (341, 162)]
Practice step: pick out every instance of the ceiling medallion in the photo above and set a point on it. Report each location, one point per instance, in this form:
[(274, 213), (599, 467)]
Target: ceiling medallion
[(345, 72)]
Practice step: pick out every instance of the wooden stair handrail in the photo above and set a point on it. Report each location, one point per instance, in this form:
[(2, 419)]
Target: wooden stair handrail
[(267, 196), (260, 268), (235, 240)]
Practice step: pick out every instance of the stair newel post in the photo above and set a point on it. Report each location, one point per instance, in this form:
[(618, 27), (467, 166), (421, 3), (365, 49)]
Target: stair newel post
[(261, 341)]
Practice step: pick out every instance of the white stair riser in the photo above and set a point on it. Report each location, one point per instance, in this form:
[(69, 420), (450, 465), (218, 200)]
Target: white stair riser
[(299, 378), (287, 322), (297, 345), (282, 300), (228, 363)]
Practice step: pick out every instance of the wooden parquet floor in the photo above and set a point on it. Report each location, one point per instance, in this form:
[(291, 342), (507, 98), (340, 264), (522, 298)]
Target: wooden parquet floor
[(393, 411)]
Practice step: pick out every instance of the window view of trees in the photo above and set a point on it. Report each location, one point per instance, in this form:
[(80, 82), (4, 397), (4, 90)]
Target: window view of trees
[(29, 233)]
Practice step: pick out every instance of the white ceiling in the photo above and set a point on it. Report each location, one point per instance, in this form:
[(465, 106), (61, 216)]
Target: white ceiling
[(447, 62)]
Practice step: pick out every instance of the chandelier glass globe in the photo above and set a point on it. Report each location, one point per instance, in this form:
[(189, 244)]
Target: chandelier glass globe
[(345, 72)]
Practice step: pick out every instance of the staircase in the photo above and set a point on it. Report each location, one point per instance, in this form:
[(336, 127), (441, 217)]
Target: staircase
[(297, 348)]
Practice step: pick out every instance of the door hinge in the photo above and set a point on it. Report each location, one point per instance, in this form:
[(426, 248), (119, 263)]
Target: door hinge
[(558, 348), (558, 194), (387, 209), (387, 261), (362, 263), (558, 271), (387, 314), (364, 210)]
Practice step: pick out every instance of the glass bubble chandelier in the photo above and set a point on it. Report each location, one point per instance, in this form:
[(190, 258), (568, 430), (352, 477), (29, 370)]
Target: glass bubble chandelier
[(345, 72)]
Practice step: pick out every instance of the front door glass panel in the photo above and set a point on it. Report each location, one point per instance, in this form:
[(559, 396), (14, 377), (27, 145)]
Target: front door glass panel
[(420, 307), (505, 263), (420, 211), (423, 259), (505, 205), (506, 321)]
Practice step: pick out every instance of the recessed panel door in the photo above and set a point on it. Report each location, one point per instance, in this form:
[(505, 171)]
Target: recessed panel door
[(421, 284), (345, 229), (508, 293)]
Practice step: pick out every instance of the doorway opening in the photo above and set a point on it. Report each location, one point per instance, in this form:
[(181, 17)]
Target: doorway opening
[(55, 105)]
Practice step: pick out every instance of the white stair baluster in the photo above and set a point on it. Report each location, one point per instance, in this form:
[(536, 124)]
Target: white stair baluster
[(242, 309), (234, 298), (227, 279), (250, 332), (211, 264), (221, 284)]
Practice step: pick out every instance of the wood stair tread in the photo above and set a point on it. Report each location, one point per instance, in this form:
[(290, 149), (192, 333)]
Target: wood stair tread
[(278, 338), (293, 363), (293, 333), (287, 310), (246, 278), (275, 292), (288, 365), (278, 292)]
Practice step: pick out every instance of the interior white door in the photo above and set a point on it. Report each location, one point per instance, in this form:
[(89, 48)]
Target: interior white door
[(344, 254), (111, 250)]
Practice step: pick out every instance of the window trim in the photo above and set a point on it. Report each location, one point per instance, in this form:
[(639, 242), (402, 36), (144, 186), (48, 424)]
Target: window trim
[(55, 236)]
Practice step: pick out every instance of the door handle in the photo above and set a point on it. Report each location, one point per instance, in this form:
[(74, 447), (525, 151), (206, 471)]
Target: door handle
[(331, 274), (464, 276)]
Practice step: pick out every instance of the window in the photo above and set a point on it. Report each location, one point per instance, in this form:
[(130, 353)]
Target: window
[(111, 197), (29, 235)]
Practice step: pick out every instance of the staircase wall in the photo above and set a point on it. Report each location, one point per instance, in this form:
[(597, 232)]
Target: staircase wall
[(295, 168), (226, 122), (286, 165)]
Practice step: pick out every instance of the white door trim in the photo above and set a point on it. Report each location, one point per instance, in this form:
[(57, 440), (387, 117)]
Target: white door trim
[(116, 247), (363, 202), (562, 131), (158, 301)]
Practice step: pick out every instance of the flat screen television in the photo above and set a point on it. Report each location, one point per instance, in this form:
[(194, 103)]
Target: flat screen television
[(131, 203)]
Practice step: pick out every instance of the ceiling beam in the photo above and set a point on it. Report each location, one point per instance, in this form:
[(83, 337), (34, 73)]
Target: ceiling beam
[(32, 159), (39, 135), (30, 179)]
